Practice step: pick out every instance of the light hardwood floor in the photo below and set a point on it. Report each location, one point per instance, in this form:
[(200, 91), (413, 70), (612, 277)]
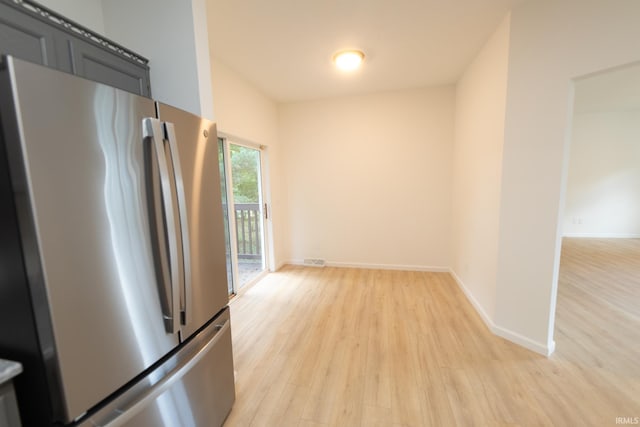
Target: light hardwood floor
[(350, 347)]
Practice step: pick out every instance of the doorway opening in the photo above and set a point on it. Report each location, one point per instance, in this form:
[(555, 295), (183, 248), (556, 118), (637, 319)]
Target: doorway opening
[(245, 211), (598, 295)]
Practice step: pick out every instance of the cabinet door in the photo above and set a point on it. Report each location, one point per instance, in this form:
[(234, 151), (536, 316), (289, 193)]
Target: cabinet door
[(100, 65), (26, 38), (9, 416)]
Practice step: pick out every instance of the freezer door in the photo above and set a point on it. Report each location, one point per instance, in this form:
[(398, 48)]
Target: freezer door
[(79, 168), (194, 388), (205, 290)]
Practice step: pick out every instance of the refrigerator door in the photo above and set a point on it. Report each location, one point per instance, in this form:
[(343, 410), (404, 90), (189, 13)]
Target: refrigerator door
[(79, 168), (205, 290), (193, 388)]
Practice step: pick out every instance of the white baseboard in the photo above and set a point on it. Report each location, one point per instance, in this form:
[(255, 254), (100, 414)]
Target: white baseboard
[(474, 302), (433, 269), (376, 266), (603, 235), (280, 265), (525, 342), (300, 262), (507, 334), (551, 348)]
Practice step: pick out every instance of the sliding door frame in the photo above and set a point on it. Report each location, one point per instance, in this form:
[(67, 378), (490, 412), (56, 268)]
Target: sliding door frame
[(264, 201)]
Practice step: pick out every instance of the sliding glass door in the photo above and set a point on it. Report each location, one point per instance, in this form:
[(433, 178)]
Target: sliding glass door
[(222, 163), (241, 173)]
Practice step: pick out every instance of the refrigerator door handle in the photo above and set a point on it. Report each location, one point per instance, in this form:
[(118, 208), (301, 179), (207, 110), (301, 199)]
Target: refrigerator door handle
[(127, 412), (184, 223), (152, 128)]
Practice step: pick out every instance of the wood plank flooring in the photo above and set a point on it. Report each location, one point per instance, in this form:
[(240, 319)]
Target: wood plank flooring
[(350, 347)]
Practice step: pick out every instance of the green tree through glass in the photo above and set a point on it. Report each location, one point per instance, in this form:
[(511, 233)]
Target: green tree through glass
[(244, 165)]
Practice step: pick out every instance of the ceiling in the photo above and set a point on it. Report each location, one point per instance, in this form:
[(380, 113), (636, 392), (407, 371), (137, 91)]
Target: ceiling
[(284, 47)]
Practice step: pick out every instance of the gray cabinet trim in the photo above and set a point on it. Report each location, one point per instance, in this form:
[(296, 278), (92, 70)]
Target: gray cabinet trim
[(74, 28), (37, 34)]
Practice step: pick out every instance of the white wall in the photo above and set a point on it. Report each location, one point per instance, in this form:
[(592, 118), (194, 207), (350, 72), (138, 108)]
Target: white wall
[(85, 12), (481, 96), (603, 188), (165, 33), (243, 111), (369, 178), (552, 42), (203, 65)]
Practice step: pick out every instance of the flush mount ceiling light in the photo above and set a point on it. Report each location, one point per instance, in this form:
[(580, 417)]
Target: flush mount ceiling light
[(348, 60)]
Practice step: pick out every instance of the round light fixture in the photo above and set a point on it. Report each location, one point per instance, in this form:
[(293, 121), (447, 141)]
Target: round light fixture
[(348, 60)]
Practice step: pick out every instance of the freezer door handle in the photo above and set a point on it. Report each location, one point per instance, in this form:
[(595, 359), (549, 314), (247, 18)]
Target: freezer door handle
[(152, 129), (186, 294), (126, 412)]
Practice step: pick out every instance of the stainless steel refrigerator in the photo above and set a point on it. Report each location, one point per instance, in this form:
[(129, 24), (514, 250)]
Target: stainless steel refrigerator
[(113, 288)]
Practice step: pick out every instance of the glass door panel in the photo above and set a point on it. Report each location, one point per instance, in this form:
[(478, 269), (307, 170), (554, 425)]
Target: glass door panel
[(242, 201), (248, 211)]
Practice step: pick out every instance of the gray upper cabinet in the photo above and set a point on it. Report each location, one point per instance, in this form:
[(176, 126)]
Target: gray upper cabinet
[(23, 36), (34, 33), (103, 66)]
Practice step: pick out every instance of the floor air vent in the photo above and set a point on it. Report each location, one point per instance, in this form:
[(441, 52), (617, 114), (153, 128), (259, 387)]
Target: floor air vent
[(314, 262)]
